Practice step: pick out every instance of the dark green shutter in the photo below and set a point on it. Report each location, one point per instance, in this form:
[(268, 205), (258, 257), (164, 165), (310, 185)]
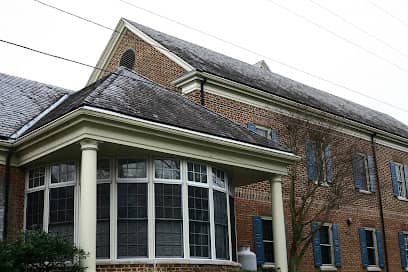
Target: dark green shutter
[(336, 245), (380, 248), (258, 239), (316, 244), (328, 162), (403, 250), (310, 160), (274, 136), (356, 171), (371, 172), (363, 247), (251, 127), (394, 178)]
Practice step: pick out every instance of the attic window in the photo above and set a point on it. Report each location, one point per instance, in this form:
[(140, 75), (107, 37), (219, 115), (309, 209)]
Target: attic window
[(128, 59)]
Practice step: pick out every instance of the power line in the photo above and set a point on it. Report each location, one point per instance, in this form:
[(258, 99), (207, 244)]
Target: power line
[(337, 35), (385, 43), (388, 13)]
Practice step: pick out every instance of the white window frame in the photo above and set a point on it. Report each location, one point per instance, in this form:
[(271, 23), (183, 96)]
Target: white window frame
[(268, 264), (373, 233), (330, 231), (402, 187), (367, 174)]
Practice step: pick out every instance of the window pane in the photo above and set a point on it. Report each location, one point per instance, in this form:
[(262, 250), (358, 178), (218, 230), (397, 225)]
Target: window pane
[(103, 169), (324, 235), (218, 177), (326, 254), (169, 220), (267, 230), (103, 221), (132, 220), (269, 252), (362, 171), (36, 177), (371, 256), (369, 238), (131, 168), (64, 172), (261, 131), (61, 218), (167, 169), (221, 225), (233, 232), (199, 222), (35, 210), (196, 172)]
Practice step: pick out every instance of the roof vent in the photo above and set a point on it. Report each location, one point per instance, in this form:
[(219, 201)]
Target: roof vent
[(262, 64), (128, 59)]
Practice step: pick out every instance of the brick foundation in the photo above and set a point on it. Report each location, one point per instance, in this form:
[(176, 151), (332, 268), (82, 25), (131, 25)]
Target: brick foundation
[(165, 268)]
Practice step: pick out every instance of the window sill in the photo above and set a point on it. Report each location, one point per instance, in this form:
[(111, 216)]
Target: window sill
[(268, 265), (166, 261), (402, 198), (365, 192), (328, 268), (373, 268)]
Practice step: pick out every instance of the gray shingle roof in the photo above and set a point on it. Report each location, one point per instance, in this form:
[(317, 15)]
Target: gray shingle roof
[(21, 100), (128, 93), (218, 64)]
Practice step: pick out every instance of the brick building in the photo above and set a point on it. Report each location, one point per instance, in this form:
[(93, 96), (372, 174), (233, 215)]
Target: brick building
[(212, 95)]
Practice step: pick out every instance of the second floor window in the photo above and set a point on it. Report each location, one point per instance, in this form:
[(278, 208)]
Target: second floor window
[(363, 172), (318, 162), (399, 174)]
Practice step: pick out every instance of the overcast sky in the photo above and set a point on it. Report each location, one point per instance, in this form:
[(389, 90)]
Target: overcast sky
[(371, 57)]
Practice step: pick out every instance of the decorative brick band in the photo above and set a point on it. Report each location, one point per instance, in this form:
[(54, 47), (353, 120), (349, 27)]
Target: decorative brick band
[(165, 268), (252, 194)]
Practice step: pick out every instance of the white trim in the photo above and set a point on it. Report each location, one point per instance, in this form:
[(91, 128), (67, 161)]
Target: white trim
[(211, 211), (168, 261)]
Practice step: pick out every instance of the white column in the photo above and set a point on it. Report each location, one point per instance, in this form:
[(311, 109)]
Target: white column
[(278, 222), (87, 206)]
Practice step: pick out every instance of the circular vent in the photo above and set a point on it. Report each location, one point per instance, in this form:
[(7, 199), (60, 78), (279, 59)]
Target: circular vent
[(128, 59)]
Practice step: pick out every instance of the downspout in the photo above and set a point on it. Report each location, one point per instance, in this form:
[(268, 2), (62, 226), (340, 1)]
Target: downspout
[(380, 201), (202, 96), (6, 193)]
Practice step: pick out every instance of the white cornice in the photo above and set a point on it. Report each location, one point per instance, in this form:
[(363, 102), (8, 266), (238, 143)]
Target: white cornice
[(115, 38), (259, 98)]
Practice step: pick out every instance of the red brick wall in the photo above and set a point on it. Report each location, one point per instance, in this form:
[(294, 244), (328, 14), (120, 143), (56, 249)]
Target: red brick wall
[(164, 268), (16, 202), (149, 61)]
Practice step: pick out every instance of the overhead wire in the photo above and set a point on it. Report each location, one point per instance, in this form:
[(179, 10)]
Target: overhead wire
[(383, 10)]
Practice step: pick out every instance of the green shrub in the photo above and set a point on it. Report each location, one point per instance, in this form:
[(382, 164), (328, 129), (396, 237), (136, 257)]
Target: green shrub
[(37, 250)]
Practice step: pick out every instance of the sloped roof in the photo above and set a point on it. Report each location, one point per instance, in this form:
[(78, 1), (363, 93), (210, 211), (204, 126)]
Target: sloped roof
[(21, 100), (126, 92), (206, 60)]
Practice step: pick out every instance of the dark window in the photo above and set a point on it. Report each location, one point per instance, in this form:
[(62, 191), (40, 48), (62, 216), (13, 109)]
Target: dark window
[(167, 169), (326, 245), (64, 172), (371, 247), (132, 220), (221, 225), (35, 210), (233, 232), (132, 169), (218, 177), (128, 59), (199, 222), (61, 220), (361, 171), (103, 170), (169, 220), (103, 221), (268, 240), (197, 172)]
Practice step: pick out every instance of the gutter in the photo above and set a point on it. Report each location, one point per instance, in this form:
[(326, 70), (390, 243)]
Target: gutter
[(380, 200), (6, 193), (202, 94)]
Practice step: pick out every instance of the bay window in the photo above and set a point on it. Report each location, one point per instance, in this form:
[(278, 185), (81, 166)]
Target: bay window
[(146, 208)]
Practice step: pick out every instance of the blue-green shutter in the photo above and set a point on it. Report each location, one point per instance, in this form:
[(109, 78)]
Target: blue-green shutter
[(310, 160), (403, 250), (336, 245), (356, 171), (371, 172), (380, 248), (327, 159), (251, 127), (394, 178), (274, 136), (258, 239), (406, 177), (363, 247), (316, 244)]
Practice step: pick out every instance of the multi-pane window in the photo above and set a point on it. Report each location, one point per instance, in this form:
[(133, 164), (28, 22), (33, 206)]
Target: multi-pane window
[(167, 169), (399, 174), (371, 247), (169, 220), (403, 242), (319, 168), (199, 222), (221, 225), (103, 209), (132, 219), (36, 178), (268, 240), (35, 198), (218, 178), (326, 245), (131, 169), (64, 172), (361, 172), (402, 189), (196, 172)]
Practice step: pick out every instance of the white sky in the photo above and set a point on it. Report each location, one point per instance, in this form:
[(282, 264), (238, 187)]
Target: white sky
[(259, 25)]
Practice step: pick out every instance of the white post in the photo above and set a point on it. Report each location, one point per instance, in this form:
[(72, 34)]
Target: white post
[(87, 207), (278, 223)]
